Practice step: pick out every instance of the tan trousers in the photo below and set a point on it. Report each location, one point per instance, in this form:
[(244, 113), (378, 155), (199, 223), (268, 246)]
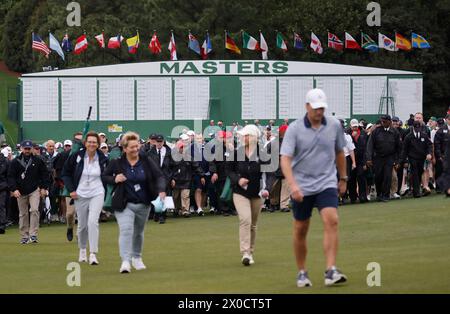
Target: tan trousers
[(70, 213), (181, 199), (394, 183), (280, 194), (248, 211), (29, 214)]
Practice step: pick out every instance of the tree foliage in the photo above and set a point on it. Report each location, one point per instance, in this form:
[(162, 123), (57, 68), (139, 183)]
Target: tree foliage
[(18, 18)]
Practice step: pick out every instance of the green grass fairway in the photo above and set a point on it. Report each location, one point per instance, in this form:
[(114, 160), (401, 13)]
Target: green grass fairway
[(408, 238)]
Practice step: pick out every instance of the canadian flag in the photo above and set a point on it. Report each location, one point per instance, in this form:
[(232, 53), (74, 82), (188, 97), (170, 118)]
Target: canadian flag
[(351, 43), (172, 48), (101, 40), (81, 45), (155, 46), (316, 45)]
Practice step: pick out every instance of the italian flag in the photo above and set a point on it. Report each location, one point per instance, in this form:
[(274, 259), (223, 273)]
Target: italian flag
[(249, 42), (281, 43)]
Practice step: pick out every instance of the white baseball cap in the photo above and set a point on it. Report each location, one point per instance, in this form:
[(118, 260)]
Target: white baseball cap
[(249, 129), (184, 137), (354, 123), (190, 133), (369, 126), (6, 151), (67, 142), (102, 134), (316, 98), (103, 145)]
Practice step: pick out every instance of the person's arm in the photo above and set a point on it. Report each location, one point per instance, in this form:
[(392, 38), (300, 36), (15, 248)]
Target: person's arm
[(429, 149), (12, 177), (352, 157), (437, 145), (108, 176), (369, 149), (67, 173), (342, 171), (44, 178)]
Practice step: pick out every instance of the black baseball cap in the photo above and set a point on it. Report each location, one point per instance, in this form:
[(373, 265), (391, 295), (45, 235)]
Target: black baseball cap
[(395, 118), (385, 117), (153, 136), (160, 138), (26, 144)]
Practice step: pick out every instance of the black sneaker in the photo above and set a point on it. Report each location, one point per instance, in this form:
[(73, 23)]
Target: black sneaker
[(333, 276), (24, 241), (2, 231), (69, 234), (33, 239), (162, 220)]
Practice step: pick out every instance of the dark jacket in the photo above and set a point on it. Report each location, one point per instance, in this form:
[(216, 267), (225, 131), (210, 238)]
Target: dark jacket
[(183, 171), (416, 148), (4, 165), (383, 144), (59, 162), (248, 169), (360, 147), (37, 176), (218, 165), (156, 182), (165, 168), (440, 141), (73, 168)]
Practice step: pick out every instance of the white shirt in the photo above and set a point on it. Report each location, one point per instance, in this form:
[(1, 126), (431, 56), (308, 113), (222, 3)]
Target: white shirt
[(90, 182), (349, 147), (163, 154)]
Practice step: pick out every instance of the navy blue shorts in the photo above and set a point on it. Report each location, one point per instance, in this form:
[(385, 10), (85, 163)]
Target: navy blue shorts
[(326, 198), (197, 184)]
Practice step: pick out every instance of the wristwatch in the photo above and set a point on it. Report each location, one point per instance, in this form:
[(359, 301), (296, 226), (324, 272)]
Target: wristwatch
[(343, 178)]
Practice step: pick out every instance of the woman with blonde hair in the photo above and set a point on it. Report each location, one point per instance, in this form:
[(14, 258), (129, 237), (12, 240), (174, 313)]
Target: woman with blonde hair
[(246, 175), (135, 178)]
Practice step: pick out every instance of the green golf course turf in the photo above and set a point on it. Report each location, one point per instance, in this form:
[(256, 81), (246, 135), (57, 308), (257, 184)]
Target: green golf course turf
[(410, 239)]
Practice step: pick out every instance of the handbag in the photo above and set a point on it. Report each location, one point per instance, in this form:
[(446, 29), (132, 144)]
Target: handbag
[(227, 192)]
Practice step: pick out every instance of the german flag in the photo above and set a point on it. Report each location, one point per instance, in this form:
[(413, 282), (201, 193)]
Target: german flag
[(231, 45)]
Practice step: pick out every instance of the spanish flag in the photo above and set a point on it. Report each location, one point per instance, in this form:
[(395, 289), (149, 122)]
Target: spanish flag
[(402, 43), (230, 44), (133, 44)]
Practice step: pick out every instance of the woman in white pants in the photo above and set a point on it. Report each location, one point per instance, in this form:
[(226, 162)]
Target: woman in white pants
[(82, 177), (136, 179)]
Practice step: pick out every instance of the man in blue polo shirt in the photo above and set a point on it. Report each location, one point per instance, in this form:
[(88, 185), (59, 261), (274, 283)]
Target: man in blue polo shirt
[(311, 150)]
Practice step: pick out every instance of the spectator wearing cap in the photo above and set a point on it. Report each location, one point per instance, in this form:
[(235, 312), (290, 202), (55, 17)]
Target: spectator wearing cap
[(4, 191), (268, 136), (417, 148), (67, 208), (104, 149), (357, 185), (441, 140), (182, 170), (246, 174), (349, 153), (28, 180), (410, 120), (221, 149), (82, 177), (162, 156), (383, 153), (49, 156), (211, 130), (151, 142)]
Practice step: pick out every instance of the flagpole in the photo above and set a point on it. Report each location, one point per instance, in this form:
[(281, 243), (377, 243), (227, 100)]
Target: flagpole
[(225, 47), (137, 45), (395, 49), (85, 52), (242, 37), (32, 51), (103, 48)]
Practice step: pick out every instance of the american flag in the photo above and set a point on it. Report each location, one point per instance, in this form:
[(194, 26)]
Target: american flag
[(334, 42), (39, 44)]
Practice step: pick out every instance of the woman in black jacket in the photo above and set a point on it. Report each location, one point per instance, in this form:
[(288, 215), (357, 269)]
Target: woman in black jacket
[(135, 177), (82, 178), (246, 174)]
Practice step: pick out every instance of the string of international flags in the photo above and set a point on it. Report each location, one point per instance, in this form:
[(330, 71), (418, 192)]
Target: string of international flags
[(248, 42)]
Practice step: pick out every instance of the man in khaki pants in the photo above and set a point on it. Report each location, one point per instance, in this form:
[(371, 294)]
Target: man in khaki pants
[(28, 180)]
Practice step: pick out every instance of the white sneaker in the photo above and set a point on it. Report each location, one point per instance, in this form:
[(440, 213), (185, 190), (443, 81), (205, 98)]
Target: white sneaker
[(138, 264), (246, 259), (83, 256), (212, 210), (252, 261), (200, 212), (395, 196), (93, 259), (125, 268)]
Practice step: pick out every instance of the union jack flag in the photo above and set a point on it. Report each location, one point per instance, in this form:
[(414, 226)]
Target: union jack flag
[(334, 42)]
